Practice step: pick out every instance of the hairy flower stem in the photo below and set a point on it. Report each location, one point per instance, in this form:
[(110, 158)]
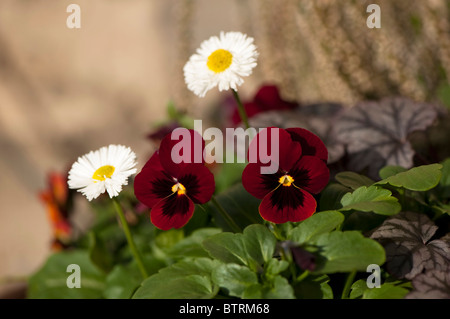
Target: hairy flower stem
[(226, 216), (348, 284), (131, 244), (241, 109)]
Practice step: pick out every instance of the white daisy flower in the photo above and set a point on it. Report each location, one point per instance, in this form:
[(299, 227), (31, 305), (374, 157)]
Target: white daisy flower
[(106, 169), (220, 61)]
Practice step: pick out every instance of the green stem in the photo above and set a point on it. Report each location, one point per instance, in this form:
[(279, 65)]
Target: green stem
[(241, 109), (348, 284), (302, 276), (126, 230), (226, 216)]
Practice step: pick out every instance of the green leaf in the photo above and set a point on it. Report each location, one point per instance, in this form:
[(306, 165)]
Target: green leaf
[(169, 238), (317, 224), (187, 279), (260, 243), (420, 178), (123, 281), (346, 251), (191, 246), (99, 254), (234, 278), (358, 288), (330, 197), (389, 171), (386, 291), (314, 287), (50, 282), (371, 199), (227, 247), (275, 266), (277, 288), (444, 183), (252, 248), (353, 180)]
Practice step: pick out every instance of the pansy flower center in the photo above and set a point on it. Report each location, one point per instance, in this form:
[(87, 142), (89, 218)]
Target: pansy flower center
[(103, 172), (286, 180), (219, 60), (179, 189)]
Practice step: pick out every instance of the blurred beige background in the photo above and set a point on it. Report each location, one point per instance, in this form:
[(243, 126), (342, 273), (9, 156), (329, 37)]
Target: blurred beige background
[(64, 92)]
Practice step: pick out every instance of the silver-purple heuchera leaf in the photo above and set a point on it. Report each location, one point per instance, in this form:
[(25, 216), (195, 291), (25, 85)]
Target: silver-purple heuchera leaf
[(406, 238), (376, 133), (431, 285)]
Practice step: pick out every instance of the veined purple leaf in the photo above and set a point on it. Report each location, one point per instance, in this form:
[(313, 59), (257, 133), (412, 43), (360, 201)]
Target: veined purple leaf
[(406, 238), (431, 285), (376, 133)]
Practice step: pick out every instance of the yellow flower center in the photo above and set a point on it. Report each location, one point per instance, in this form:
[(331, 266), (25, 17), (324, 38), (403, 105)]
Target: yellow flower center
[(219, 60), (286, 180), (103, 172), (179, 189)]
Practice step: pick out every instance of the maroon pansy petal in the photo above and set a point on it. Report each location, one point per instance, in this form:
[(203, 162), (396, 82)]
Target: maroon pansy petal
[(311, 143), (173, 148), (287, 150), (198, 181), (172, 212), (311, 174), (257, 184), (287, 204), (268, 98), (152, 184)]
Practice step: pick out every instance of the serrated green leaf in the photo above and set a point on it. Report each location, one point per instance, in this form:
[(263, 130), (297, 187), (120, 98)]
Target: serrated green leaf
[(353, 180), (346, 251), (234, 278), (421, 178), (317, 224), (371, 199), (50, 282)]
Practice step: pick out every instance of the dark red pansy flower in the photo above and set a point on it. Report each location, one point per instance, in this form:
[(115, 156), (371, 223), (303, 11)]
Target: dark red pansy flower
[(267, 99), (171, 189), (286, 194)]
